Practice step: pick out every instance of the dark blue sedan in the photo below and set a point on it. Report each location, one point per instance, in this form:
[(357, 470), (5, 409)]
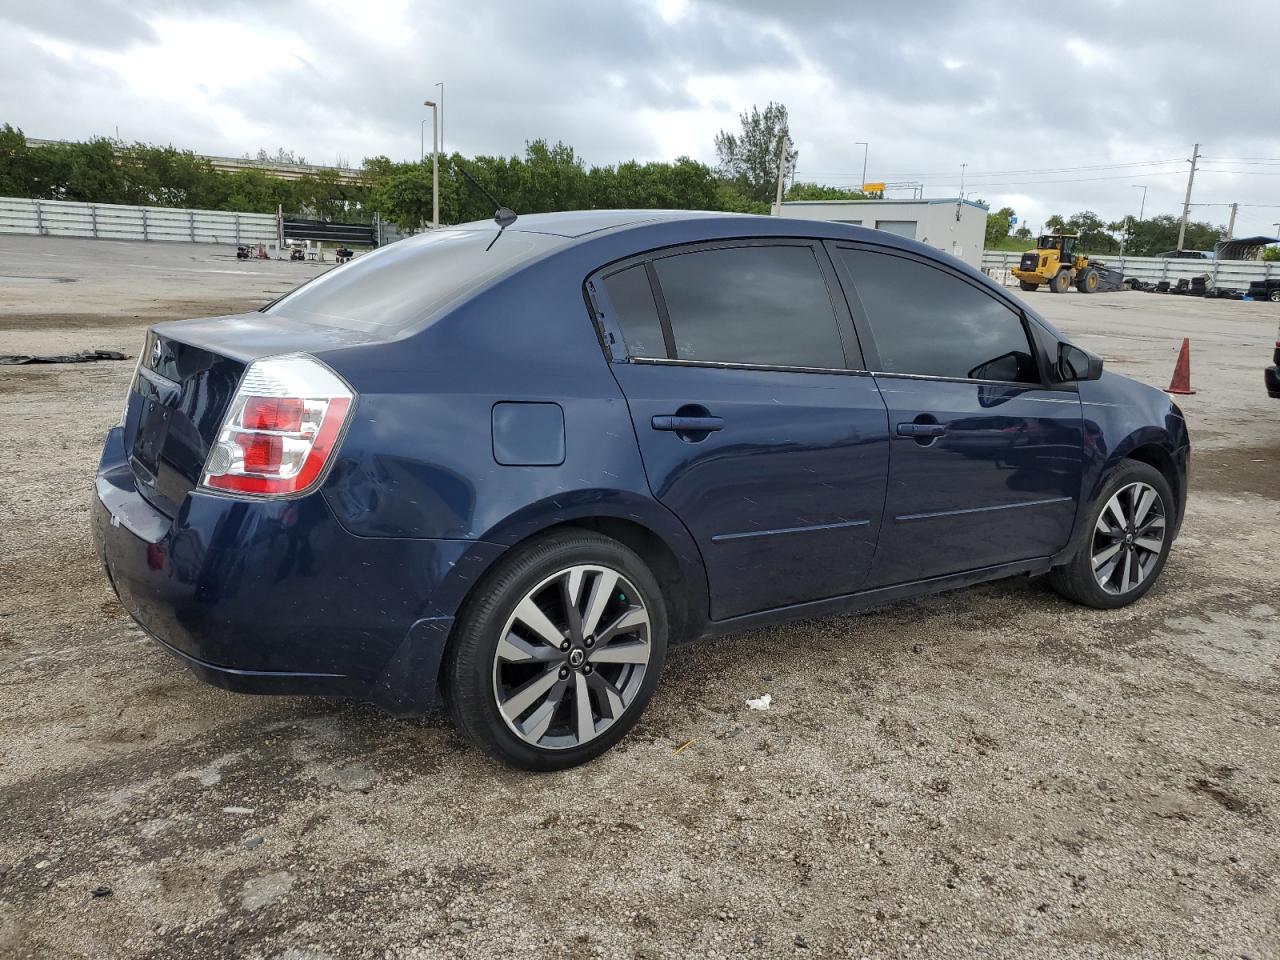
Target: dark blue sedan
[(506, 469)]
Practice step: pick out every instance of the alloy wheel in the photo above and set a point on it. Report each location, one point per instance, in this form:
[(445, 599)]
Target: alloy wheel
[(1128, 538), (572, 657)]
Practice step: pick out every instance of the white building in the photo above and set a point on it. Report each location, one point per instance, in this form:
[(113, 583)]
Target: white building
[(957, 226)]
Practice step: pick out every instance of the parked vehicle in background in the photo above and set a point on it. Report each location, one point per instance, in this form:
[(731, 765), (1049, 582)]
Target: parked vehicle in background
[(1271, 376), (506, 469), (1265, 290)]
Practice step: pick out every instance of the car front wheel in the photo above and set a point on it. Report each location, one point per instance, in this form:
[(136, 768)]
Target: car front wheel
[(1126, 543), (555, 657)]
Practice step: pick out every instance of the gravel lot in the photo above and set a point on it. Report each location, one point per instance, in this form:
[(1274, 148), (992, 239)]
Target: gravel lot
[(992, 772)]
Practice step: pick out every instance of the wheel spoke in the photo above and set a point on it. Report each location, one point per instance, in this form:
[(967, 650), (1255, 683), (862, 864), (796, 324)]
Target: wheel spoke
[(1102, 556), (571, 592), (518, 650), (626, 623), (609, 693), (1107, 572), (1146, 497), (1139, 570), (586, 725), (528, 695), (1149, 543), (531, 615), (536, 726), (1113, 507), (635, 652), (1156, 521), (601, 591), (1124, 576)]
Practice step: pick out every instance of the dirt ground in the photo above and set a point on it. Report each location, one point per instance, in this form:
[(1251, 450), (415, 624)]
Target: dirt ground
[(993, 772)]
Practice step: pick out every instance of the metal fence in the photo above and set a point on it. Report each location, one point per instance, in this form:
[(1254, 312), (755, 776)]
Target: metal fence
[(110, 221), (1222, 273)]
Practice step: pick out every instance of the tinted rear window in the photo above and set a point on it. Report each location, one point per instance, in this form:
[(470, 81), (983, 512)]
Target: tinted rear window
[(632, 299), (757, 304), (391, 289)]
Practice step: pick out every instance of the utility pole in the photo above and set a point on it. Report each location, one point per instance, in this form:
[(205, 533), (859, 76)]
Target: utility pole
[(1186, 203), (1231, 223), (784, 145), (866, 148)]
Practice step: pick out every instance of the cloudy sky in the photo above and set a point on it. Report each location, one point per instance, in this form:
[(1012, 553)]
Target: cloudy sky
[(1049, 113)]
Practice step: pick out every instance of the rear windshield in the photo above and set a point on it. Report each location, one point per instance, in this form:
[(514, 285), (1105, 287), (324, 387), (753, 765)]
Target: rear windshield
[(388, 291)]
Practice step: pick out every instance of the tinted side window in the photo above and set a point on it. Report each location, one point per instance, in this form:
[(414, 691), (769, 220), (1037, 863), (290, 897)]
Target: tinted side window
[(759, 304), (928, 322), (632, 299)]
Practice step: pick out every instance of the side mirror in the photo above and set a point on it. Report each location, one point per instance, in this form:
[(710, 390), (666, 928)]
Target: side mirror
[(1077, 364)]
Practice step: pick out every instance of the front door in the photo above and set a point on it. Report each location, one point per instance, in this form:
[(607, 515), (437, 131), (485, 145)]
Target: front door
[(756, 427), (986, 459)]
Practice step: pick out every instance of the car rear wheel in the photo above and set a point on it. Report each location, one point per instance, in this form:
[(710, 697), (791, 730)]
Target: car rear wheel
[(556, 656), (1126, 543), (1274, 295)]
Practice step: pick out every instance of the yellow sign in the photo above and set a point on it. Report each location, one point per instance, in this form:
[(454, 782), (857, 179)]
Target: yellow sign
[(873, 188)]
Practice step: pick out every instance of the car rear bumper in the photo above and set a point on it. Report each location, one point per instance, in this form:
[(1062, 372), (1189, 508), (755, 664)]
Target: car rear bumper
[(275, 596), (1272, 377)]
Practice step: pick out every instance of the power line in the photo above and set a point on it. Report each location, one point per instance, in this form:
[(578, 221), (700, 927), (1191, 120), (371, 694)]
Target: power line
[(1001, 173), (1022, 183)]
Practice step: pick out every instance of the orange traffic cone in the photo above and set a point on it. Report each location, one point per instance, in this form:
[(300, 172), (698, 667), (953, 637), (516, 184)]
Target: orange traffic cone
[(1181, 383)]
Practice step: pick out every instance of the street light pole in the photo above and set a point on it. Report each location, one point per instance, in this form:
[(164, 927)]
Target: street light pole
[(866, 148), (441, 86), (422, 144), (1143, 205), (435, 163)]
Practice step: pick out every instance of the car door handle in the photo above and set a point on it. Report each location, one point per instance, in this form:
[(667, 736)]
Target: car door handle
[(921, 429), (688, 424)]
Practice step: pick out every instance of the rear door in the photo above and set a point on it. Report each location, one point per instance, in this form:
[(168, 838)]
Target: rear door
[(757, 425), (986, 458)]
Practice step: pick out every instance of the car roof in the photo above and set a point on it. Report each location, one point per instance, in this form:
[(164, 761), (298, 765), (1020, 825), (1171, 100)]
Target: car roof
[(573, 224)]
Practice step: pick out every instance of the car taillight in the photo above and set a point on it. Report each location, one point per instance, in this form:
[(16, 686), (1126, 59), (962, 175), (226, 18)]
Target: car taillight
[(281, 430)]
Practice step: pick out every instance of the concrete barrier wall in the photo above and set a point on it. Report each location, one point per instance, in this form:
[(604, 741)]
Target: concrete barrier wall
[(1223, 273), (110, 221)]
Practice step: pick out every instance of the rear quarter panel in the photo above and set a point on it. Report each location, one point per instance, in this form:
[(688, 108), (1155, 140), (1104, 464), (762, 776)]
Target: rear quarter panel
[(418, 459)]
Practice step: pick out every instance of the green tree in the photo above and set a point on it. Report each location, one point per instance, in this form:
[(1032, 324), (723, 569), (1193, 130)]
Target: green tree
[(817, 191), (403, 195), (1271, 253), (998, 225), (750, 159), (1157, 235)]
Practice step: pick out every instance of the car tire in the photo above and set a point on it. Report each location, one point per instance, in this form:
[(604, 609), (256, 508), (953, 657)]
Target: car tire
[(1028, 287), (1061, 281), (1274, 296), (516, 636), (1116, 563)]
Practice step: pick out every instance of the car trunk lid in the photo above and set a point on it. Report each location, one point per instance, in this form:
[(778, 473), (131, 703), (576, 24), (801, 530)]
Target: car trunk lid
[(187, 376)]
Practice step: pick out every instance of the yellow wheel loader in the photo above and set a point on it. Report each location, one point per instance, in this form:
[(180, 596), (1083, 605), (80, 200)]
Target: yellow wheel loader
[(1055, 262)]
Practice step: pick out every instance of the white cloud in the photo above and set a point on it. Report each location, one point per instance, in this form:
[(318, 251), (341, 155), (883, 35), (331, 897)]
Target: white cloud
[(939, 83)]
